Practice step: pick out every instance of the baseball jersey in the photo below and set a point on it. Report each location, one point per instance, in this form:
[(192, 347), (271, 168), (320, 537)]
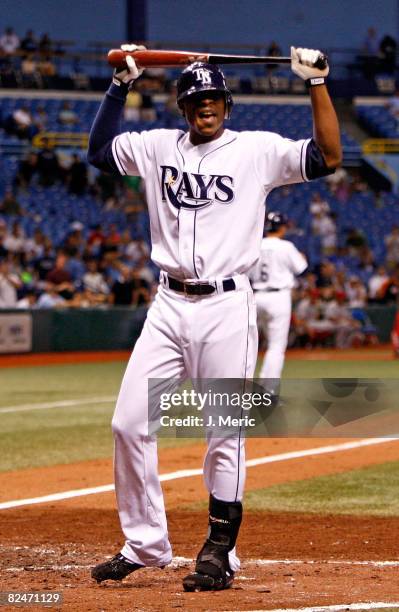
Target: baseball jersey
[(207, 202), (278, 264)]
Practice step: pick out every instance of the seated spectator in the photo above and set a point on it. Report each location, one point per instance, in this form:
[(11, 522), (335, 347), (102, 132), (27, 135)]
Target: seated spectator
[(347, 330), (20, 123), (369, 54), (29, 43), (50, 298), (95, 240), (376, 281), (34, 247), (40, 118), (45, 45), (67, 116), (30, 75), (27, 168), (113, 237), (94, 281), (75, 265), (355, 240), (131, 110), (28, 301), (75, 235), (129, 289), (9, 42), (9, 284), (392, 247), (324, 226), (326, 274), (136, 252), (48, 165), (47, 71), (356, 292), (9, 205), (388, 46), (45, 262), (59, 280), (334, 180), (318, 205), (308, 319), (76, 178), (15, 239)]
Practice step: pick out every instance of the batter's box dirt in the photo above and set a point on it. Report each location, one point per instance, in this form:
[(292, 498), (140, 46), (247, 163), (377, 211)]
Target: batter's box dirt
[(287, 561)]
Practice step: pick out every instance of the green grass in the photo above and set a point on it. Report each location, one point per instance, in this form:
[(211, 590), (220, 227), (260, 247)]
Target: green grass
[(69, 434), (296, 368), (50, 436), (368, 491)]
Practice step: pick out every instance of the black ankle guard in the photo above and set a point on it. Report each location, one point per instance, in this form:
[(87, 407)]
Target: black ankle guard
[(224, 522)]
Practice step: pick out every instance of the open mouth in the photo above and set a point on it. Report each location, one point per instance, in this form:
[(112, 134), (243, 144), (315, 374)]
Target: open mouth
[(206, 114)]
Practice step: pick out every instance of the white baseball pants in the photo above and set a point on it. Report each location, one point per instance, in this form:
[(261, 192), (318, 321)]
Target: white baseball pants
[(274, 316), (196, 337)]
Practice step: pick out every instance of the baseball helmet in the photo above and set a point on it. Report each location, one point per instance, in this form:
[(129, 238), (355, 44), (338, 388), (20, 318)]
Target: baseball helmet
[(274, 220), (200, 76)]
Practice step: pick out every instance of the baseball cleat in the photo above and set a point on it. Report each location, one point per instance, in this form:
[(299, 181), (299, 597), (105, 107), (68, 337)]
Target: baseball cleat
[(116, 568), (205, 582)]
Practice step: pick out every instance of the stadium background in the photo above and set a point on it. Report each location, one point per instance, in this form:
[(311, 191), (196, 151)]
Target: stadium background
[(321, 522)]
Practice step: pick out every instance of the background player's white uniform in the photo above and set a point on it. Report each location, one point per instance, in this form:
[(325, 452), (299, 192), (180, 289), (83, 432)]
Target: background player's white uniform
[(273, 278)]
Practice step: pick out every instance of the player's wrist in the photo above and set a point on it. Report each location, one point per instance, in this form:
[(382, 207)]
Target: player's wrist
[(315, 82), (118, 91)]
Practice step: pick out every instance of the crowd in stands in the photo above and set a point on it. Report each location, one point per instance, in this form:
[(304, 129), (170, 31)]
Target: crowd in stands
[(31, 61), (100, 267), (28, 61), (378, 55)]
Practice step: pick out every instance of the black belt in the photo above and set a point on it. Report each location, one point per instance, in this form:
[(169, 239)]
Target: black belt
[(268, 289), (199, 288)]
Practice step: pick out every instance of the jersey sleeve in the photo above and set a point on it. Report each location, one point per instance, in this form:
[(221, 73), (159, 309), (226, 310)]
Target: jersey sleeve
[(133, 152), (280, 161), (297, 261)]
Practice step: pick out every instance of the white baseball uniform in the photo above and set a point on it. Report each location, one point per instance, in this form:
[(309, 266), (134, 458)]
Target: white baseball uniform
[(206, 205), (273, 278)]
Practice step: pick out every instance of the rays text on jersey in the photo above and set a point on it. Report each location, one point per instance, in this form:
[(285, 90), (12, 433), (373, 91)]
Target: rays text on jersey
[(193, 190)]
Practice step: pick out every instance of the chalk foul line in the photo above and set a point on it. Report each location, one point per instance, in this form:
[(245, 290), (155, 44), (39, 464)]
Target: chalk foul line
[(332, 448)]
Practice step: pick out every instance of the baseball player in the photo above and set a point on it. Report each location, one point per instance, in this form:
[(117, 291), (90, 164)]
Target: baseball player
[(205, 190), (273, 277)]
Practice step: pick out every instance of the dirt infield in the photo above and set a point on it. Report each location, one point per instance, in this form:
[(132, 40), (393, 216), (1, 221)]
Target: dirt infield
[(52, 546)]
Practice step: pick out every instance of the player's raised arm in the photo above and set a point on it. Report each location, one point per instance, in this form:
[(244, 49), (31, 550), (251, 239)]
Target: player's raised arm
[(325, 123), (107, 123)]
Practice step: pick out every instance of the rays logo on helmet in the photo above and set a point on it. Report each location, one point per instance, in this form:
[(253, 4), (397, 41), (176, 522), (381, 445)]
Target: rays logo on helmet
[(192, 191), (203, 75)]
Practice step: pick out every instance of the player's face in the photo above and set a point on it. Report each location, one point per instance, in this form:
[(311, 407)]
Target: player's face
[(204, 113)]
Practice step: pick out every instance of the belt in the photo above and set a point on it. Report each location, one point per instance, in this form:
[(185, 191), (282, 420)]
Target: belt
[(268, 289), (199, 288)]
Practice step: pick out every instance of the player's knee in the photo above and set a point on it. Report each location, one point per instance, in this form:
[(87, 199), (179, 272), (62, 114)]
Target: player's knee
[(124, 429)]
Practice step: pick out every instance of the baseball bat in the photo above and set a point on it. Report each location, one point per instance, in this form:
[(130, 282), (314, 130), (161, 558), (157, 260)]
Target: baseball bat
[(167, 59)]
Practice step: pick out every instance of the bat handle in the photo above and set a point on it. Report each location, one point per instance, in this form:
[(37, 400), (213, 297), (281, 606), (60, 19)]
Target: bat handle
[(322, 62)]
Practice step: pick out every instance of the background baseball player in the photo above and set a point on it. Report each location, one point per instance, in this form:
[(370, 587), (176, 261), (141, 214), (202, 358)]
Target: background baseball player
[(206, 191), (272, 280)]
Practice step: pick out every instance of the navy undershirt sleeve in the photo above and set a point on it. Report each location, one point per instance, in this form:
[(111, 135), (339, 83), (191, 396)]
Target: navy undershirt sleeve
[(315, 164), (106, 126)]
